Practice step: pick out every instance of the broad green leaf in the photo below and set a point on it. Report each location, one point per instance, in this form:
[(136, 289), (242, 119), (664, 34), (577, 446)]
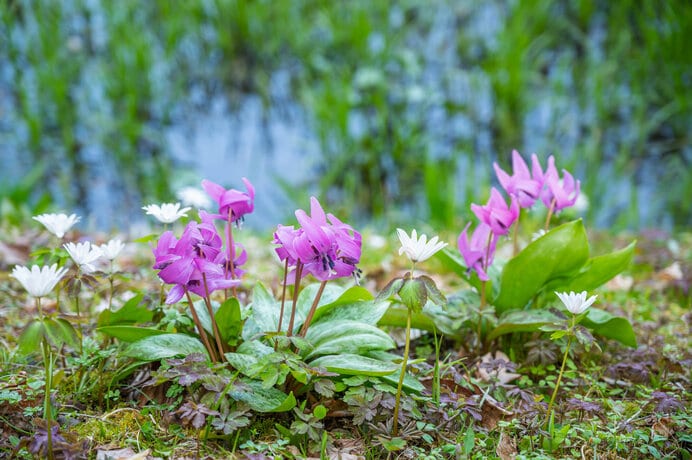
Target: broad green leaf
[(203, 314), (330, 295), (396, 316), (349, 337), (229, 321), (30, 340), (413, 294), (130, 333), (133, 311), (598, 270), (522, 321), (242, 362), (59, 331), (411, 384), (264, 313), (613, 327), (262, 399), (348, 364), (164, 346), (560, 252), (363, 311)]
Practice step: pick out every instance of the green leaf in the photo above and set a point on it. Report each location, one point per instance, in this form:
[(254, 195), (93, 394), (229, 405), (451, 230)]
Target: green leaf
[(411, 384), (130, 313), (598, 270), (264, 313), (559, 253), (129, 333), (613, 327), (391, 289), (319, 412), (147, 238), (348, 364), (242, 362), (229, 321), (164, 346), (262, 399), (522, 321), (363, 311), (30, 340), (413, 294), (348, 337), (434, 293), (59, 331), (330, 295), (396, 316)]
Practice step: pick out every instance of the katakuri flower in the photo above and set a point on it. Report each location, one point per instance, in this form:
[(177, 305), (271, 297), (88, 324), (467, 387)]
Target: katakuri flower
[(521, 184), (418, 249), (478, 253), (166, 213), (496, 214), (196, 262), (559, 192), (38, 282), (193, 196), (111, 249), (233, 204), (84, 255), (576, 303), (57, 224)]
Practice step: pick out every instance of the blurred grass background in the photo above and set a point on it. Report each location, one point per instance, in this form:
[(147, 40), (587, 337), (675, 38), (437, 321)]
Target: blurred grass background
[(408, 102)]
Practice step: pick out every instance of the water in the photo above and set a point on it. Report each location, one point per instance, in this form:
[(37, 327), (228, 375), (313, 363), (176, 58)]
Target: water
[(210, 133)]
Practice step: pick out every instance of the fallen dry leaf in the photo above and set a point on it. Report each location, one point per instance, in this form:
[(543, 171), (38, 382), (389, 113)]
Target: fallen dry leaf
[(506, 447)]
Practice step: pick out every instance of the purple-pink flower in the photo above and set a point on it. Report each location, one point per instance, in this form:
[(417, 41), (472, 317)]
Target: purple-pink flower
[(231, 202), (496, 214), (325, 246), (196, 262), (478, 253), (558, 193), (521, 184)]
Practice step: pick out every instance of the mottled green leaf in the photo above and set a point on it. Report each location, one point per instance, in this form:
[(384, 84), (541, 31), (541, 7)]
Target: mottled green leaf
[(132, 312), (229, 321), (262, 399), (348, 364), (164, 346), (613, 327), (522, 321)]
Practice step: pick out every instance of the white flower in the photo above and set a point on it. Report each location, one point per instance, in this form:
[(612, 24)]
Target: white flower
[(194, 197), (83, 254), (166, 212), (538, 234), (111, 249), (576, 303), (57, 224), (38, 282), (418, 249)]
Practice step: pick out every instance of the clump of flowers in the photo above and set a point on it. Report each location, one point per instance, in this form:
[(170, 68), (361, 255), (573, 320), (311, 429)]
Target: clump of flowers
[(322, 246)]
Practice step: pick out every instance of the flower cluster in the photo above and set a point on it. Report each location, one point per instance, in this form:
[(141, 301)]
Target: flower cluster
[(496, 217), (196, 262), (322, 245)]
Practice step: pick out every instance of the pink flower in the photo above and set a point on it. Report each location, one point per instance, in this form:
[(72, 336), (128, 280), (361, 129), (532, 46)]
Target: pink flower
[(233, 202), (521, 184), (563, 192), (480, 251), (327, 247), (196, 259), (496, 214)]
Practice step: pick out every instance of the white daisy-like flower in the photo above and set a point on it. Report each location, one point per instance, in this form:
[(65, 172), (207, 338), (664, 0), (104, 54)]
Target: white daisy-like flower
[(418, 249), (57, 224), (166, 213), (84, 255), (195, 197), (576, 303), (537, 234), (111, 249), (38, 282)]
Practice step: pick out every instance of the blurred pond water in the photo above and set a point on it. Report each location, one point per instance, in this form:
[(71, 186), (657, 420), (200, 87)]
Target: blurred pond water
[(124, 105)]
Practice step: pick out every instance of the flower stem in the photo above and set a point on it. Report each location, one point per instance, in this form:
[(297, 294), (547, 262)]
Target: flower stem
[(296, 285), (515, 236), (559, 379), (311, 313), (551, 209), (231, 249), (210, 310), (283, 297), (47, 409), (404, 362), (200, 329)]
